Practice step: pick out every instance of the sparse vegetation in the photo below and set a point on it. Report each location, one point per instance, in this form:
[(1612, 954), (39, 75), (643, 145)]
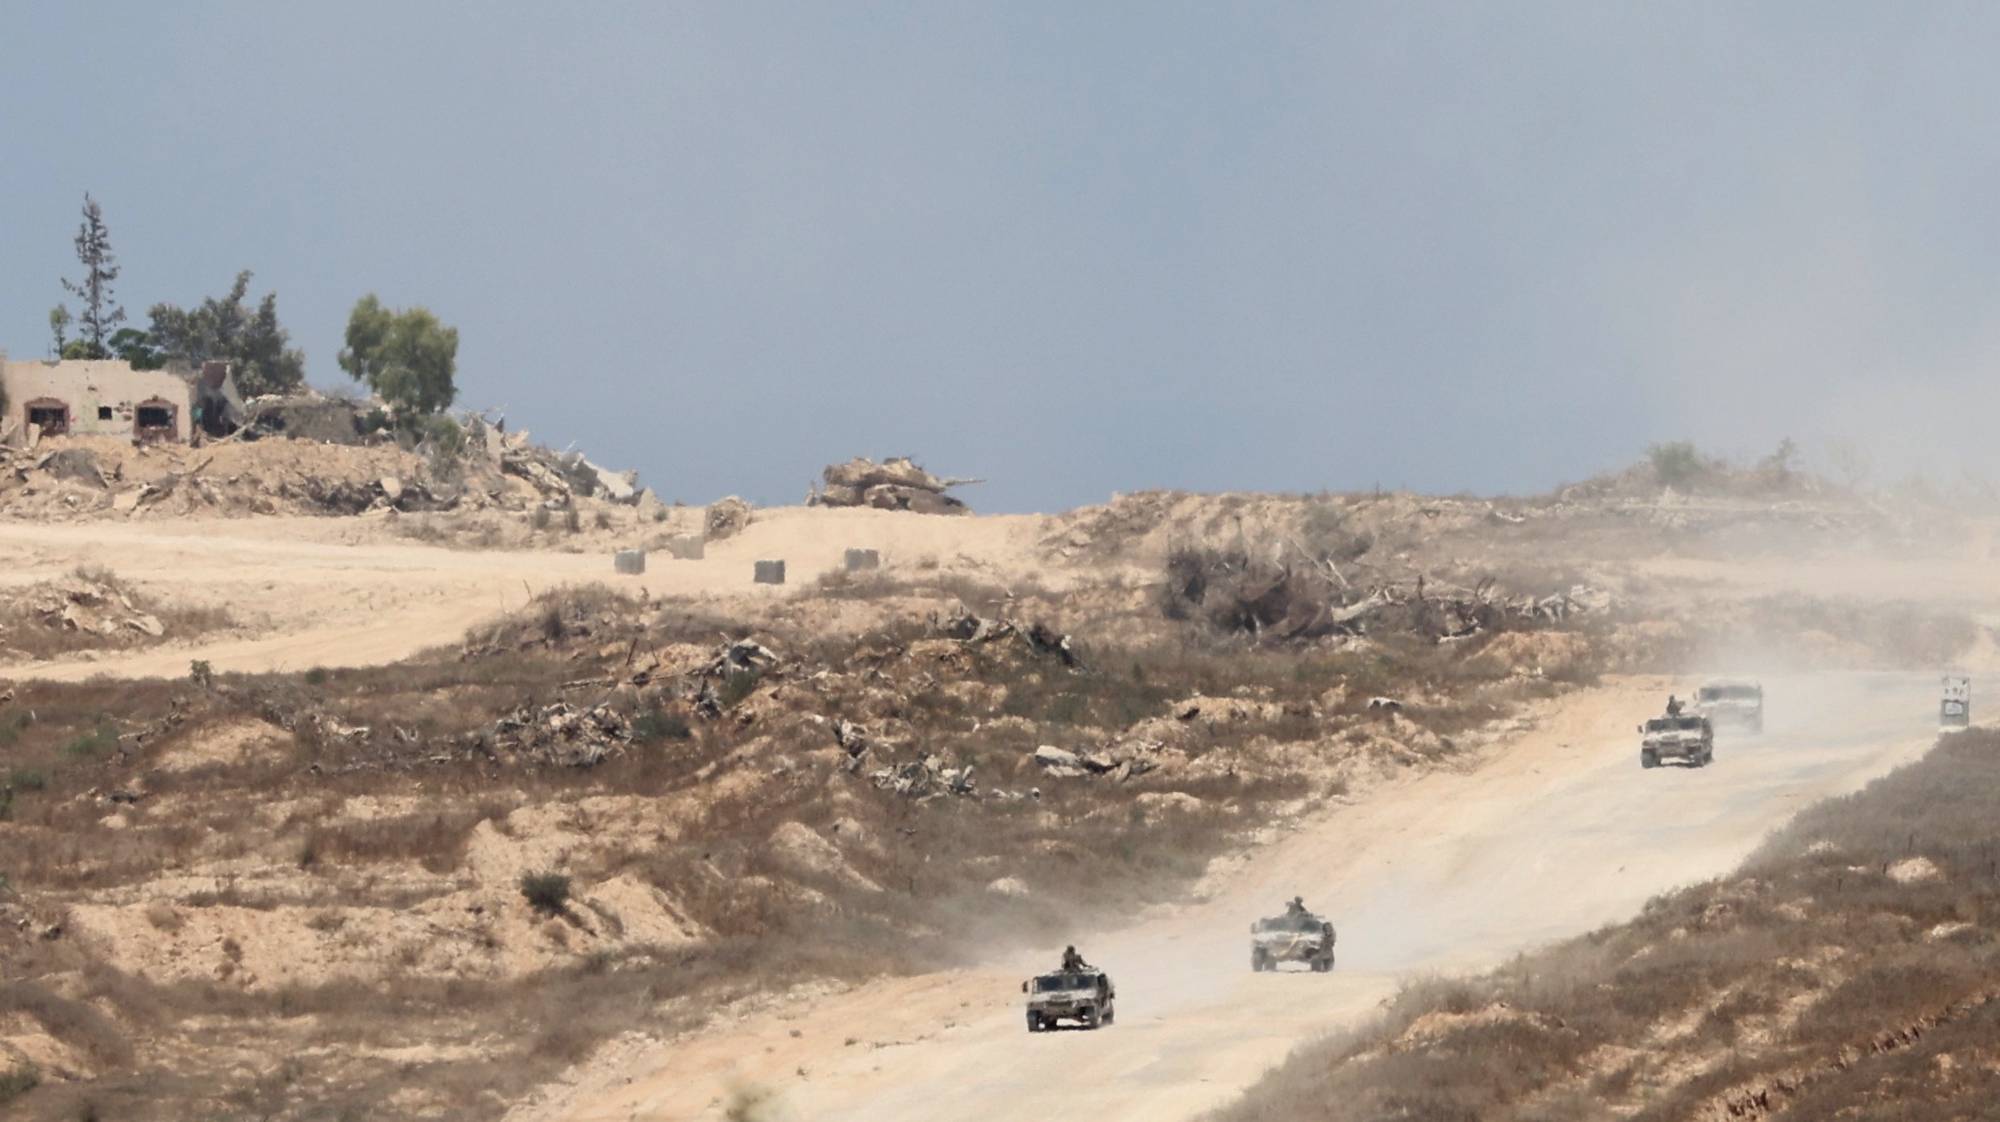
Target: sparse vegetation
[(547, 893), (1677, 464), (1820, 981)]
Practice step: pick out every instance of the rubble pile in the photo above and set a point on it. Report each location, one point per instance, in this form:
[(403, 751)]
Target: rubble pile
[(560, 477), (308, 454), (1039, 638), (563, 735), (89, 606), (894, 484), (926, 778), (1282, 600), (726, 518)]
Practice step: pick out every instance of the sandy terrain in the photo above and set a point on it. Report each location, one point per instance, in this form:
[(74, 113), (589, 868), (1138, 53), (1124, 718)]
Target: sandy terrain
[(1560, 832), (340, 592)]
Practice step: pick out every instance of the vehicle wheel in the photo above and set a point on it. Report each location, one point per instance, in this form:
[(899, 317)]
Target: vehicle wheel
[(1034, 1023), (1110, 1015), (1090, 1018), (1649, 759), (1258, 963)]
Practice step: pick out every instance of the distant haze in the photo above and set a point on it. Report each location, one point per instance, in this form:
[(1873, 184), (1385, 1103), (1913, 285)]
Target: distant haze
[(1073, 249)]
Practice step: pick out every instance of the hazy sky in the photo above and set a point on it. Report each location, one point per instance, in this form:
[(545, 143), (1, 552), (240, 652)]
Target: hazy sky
[(1072, 248)]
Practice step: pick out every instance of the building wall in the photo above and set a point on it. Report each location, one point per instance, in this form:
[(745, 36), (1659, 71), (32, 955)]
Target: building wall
[(103, 395)]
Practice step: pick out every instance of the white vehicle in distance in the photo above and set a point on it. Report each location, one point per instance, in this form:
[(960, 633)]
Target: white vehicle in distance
[(1732, 704)]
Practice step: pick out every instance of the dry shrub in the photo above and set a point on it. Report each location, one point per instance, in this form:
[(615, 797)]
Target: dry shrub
[(1866, 1044)]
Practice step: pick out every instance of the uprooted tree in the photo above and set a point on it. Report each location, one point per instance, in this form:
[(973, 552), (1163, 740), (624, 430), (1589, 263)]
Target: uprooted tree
[(408, 356)]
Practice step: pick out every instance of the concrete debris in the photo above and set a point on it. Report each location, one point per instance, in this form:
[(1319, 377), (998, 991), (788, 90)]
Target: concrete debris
[(307, 416), (1039, 638), (852, 738), (1306, 599), (726, 518), (893, 484), (563, 735), (926, 778), (93, 607), (75, 465), (617, 486), (1058, 761), (306, 455), (740, 656)]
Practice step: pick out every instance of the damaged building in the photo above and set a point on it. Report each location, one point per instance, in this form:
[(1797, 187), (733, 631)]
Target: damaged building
[(107, 397)]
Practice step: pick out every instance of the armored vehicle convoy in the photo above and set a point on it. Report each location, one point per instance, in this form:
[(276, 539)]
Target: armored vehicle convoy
[(1085, 996), (1731, 704), (1296, 936), (1683, 737)]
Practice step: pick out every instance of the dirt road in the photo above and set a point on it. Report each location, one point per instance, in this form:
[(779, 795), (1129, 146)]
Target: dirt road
[(348, 592), (1558, 833)]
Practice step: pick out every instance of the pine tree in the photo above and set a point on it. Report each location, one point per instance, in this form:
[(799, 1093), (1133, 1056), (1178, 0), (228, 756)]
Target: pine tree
[(100, 313)]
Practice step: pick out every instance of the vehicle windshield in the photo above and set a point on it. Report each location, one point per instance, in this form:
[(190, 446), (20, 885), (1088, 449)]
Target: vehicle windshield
[(1055, 983), (1288, 923), (1674, 724), (1730, 693)]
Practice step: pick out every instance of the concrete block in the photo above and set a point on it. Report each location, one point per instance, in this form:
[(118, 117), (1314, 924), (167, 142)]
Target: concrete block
[(860, 559), (770, 572), (631, 561)]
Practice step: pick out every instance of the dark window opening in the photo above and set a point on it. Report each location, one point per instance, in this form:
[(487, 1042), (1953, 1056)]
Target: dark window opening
[(154, 420), (104, 412), (51, 415)]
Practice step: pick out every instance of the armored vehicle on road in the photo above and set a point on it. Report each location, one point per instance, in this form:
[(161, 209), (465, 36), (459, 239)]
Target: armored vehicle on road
[(1084, 996), (1297, 936), (1685, 737), (1731, 704)]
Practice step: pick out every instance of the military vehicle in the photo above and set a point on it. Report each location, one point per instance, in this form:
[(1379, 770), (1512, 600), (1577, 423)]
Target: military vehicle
[(1955, 709), (1297, 936), (1085, 996), (1731, 704), (1687, 737)]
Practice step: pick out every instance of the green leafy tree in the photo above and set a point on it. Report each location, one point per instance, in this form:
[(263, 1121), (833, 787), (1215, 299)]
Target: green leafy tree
[(59, 321), (228, 329), (409, 357), (101, 312), (136, 347)]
